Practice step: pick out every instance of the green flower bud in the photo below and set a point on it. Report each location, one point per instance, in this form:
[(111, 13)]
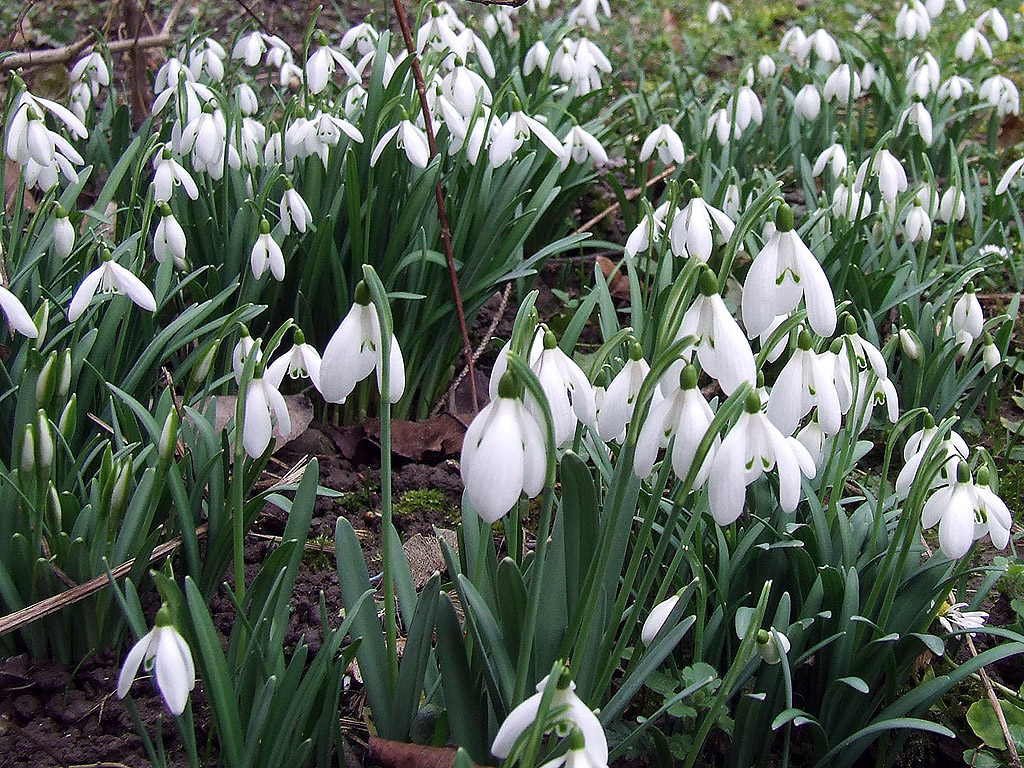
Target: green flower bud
[(753, 403), (362, 295), (784, 218)]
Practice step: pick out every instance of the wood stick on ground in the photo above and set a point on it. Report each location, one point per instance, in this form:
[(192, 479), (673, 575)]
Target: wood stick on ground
[(994, 700), (631, 194)]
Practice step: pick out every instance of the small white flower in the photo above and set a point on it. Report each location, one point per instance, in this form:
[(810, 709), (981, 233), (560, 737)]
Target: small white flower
[(111, 278), (892, 179), (1007, 177), (718, 10), (805, 382), (968, 316), (249, 48), (616, 408), (766, 67), (514, 132), (910, 344), (990, 353), (667, 142), (656, 619), (266, 414), (692, 229), (294, 209), (771, 644), (165, 651), (850, 203), (301, 361), (807, 103), (322, 63), (965, 512), (579, 145), (266, 252), (842, 85), (17, 316), (922, 75), (168, 174), (822, 44), (1001, 93), (954, 88), (918, 225), (363, 36), (969, 42), (996, 22), (63, 232), (918, 116), (536, 58), (953, 206), (569, 392), (912, 21), (832, 157), (649, 230), (169, 239), (410, 138), (953, 617)]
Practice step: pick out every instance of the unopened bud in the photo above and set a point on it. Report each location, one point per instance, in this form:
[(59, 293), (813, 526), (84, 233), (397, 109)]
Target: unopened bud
[(46, 381), (69, 418), (910, 344), (44, 442), (54, 513), (28, 451), (168, 437), (119, 491)]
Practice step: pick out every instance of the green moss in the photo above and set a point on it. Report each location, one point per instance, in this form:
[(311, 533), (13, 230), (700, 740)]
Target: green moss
[(419, 501)]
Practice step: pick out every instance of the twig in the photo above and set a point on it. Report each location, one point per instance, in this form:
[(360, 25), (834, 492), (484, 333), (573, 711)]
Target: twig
[(254, 16), (632, 194), (68, 52), (994, 700), (442, 214), (51, 605)]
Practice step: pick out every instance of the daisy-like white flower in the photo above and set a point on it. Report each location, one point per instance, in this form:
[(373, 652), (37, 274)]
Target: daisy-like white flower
[(722, 350), (805, 382), (577, 716), (965, 512), (169, 238), (842, 84), (356, 350), (667, 142), (691, 232), (266, 414), (752, 447), (168, 173), (807, 103), (569, 393), (266, 252), (685, 415), (110, 278), (294, 209), (408, 137), (301, 361), (782, 273), (503, 453), (579, 145), (953, 617), (619, 401), (165, 651)]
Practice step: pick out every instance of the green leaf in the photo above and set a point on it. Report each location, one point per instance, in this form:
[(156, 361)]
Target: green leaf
[(414, 660), (981, 716)]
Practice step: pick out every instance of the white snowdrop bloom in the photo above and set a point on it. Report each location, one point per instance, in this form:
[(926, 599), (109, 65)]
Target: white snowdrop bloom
[(585, 13), (771, 644), (252, 140), (17, 316), (576, 718), (746, 107), (514, 132), (850, 203), (913, 21), (823, 45), (246, 99), (781, 345), (892, 179), (355, 102), (169, 239), (590, 62), (934, 7), (290, 76), (752, 447), (731, 202), (668, 144), (500, 20), (722, 349), (922, 75), (782, 273), (792, 42), (356, 350), (326, 130), (832, 157), (990, 356), (408, 137), (293, 209), (964, 513), (873, 391), (996, 22), (563, 60), (205, 137), (91, 70), (842, 84), (249, 48), (812, 437), (952, 450), (616, 408), (968, 316), (164, 651), (63, 232), (682, 418), (656, 619), (569, 393), (266, 252), (693, 227), (807, 103), (954, 88), (244, 347), (28, 138), (766, 67), (503, 454), (266, 414), (170, 74), (361, 36), (480, 134), (279, 52), (321, 65), (971, 41), (648, 230), (470, 41), (536, 58), (910, 344), (1001, 93), (463, 87), (110, 278), (579, 145), (720, 127), (868, 75), (953, 206), (208, 58), (1007, 177), (81, 98), (299, 362), (718, 11), (918, 224), (438, 34), (805, 382)]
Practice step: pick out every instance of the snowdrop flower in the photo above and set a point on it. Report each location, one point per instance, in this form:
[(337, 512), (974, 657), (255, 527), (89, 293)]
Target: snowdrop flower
[(953, 206), (165, 651), (922, 75), (805, 382), (649, 230), (996, 22), (266, 414), (40, 151), (92, 69), (990, 356), (18, 318), (892, 179), (910, 344), (437, 32), (266, 252), (793, 42), (691, 232), (918, 224), (842, 84), (408, 137), (668, 144), (731, 202), (536, 58), (782, 273), (954, 88), (656, 619), (913, 21), (1007, 177), (205, 137), (752, 447), (616, 408), (579, 145), (514, 132), (293, 209), (463, 87), (1001, 93), (569, 393), (246, 99), (967, 314), (249, 48), (934, 7), (577, 716), (918, 116), (63, 232), (301, 361), (718, 10), (873, 390), (868, 74), (503, 454), (168, 173), (244, 347), (169, 238), (965, 512), (771, 644), (110, 278), (722, 350), (833, 158), (850, 202), (363, 36), (953, 449), (747, 108), (969, 42), (766, 67), (719, 126), (355, 351), (684, 415), (589, 63), (822, 44), (585, 14), (953, 617), (807, 103), (322, 63)]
